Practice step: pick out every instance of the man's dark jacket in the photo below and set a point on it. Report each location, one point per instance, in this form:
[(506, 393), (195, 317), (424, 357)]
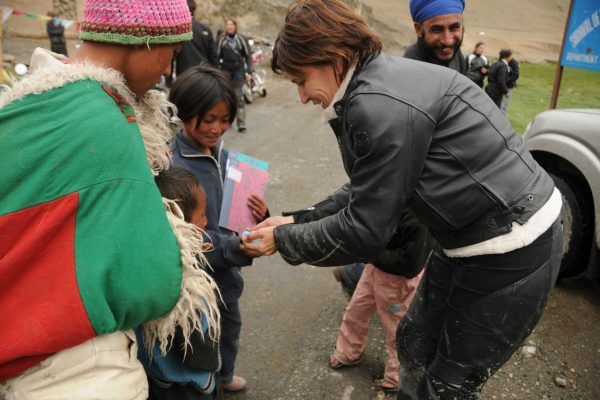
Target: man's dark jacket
[(497, 81), (419, 136), (513, 73), (200, 50)]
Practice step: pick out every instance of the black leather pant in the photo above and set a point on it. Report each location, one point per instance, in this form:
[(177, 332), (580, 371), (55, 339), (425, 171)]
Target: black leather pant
[(470, 315)]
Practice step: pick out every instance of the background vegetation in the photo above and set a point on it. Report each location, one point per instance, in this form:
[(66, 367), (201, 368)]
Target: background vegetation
[(579, 89)]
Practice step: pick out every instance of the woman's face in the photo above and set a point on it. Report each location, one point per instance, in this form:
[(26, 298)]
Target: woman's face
[(205, 133), (230, 27), (316, 84)]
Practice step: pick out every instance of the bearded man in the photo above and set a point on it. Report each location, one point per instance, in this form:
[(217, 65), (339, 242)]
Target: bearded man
[(439, 28)]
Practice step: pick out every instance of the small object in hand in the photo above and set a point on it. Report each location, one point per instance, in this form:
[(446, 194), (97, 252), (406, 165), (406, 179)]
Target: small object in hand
[(246, 233)]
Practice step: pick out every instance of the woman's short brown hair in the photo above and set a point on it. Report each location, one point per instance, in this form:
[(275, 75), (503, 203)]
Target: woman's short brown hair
[(323, 32)]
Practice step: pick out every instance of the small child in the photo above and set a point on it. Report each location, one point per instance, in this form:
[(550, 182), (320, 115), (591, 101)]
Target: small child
[(180, 185), (183, 373), (207, 105)]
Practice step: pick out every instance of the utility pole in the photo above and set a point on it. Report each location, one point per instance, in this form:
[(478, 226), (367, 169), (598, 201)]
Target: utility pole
[(559, 67)]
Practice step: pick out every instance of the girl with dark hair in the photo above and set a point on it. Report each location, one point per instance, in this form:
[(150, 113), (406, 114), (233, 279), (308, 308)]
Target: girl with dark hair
[(423, 137), (206, 103)]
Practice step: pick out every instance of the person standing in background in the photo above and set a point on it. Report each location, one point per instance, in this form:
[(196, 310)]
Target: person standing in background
[(56, 33), (511, 83), (235, 58), (477, 64), (497, 87), (200, 50), (439, 28)]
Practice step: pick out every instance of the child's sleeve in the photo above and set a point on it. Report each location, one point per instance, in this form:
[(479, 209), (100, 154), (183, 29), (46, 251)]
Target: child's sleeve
[(226, 252)]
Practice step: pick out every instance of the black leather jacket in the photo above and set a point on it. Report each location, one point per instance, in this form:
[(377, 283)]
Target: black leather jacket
[(475, 63), (407, 251), (421, 136)]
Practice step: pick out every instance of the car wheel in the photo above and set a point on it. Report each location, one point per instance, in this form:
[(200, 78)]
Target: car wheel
[(578, 230)]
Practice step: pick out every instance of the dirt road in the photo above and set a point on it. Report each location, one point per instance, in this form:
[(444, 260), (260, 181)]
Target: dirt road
[(292, 314)]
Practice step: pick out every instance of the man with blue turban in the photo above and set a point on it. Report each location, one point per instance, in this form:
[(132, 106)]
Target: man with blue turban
[(439, 28)]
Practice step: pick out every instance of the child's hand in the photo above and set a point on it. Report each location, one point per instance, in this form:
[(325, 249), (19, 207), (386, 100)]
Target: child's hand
[(258, 207)]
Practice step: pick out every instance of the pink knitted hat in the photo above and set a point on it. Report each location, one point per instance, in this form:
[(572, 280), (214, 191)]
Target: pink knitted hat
[(134, 22)]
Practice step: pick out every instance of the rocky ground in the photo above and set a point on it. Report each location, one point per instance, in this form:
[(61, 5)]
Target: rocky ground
[(533, 29)]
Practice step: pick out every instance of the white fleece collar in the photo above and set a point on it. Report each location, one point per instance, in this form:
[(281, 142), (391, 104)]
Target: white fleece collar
[(329, 113)]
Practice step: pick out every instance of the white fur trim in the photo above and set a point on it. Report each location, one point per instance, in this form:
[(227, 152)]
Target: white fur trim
[(49, 72), (520, 235), (198, 289)]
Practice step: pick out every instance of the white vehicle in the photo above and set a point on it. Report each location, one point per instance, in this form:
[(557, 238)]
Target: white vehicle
[(566, 143)]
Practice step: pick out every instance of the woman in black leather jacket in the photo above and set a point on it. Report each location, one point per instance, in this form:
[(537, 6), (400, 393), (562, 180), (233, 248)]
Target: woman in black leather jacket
[(419, 136)]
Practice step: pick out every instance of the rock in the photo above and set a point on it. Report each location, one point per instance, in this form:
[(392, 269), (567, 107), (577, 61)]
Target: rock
[(529, 351), (560, 381)]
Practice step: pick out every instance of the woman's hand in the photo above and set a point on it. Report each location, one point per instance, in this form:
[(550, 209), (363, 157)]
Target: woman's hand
[(258, 207), (260, 242), (274, 221)]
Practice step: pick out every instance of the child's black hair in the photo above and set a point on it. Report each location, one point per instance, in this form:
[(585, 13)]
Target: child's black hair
[(198, 89), (179, 184)]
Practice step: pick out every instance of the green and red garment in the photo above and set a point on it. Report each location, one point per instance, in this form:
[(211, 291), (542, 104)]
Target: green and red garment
[(85, 245)]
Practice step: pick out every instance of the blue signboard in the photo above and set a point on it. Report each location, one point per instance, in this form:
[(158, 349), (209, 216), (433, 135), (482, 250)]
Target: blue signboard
[(582, 43)]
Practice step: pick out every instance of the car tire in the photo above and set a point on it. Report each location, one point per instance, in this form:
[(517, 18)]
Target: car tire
[(577, 220)]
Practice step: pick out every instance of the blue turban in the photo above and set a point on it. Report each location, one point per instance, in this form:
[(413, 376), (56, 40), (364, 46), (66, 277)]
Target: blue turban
[(422, 10)]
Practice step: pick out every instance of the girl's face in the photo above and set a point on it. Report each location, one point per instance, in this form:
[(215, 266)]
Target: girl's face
[(199, 213), (205, 132)]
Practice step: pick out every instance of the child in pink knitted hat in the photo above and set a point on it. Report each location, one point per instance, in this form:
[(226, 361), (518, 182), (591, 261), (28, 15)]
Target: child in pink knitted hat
[(90, 250)]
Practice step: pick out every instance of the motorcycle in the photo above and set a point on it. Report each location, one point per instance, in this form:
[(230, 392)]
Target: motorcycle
[(256, 85), (8, 76)]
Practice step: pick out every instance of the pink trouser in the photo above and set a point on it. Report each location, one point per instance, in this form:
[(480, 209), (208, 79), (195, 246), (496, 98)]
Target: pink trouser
[(389, 295)]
